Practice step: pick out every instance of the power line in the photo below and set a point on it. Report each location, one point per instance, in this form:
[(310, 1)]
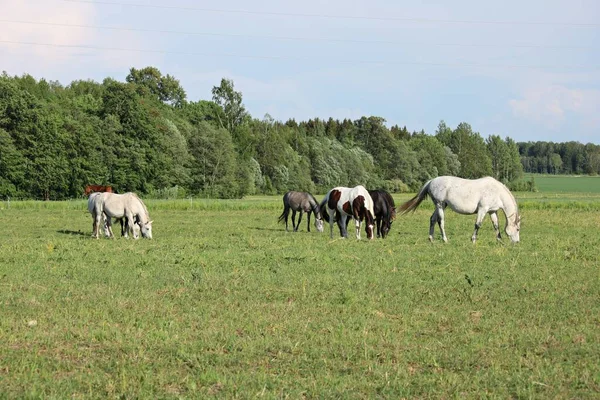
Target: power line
[(331, 16), (290, 58), (292, 38)]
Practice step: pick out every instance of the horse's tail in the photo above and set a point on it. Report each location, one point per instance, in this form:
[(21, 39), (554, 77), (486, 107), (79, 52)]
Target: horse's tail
[(413, 203), (286, 209)]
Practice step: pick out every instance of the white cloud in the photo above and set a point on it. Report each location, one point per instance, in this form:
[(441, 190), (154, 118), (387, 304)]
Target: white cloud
[(50, 12), (60, 51), (552, 105)]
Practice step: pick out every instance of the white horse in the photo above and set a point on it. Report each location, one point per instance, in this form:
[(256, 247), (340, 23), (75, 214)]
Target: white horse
[(92, 199), (469, 196), (128, 206), (343, 202)]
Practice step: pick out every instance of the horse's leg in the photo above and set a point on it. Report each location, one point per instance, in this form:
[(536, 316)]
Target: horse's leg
[(130, 223), (108, 222), (494, 218), (299, 219), (343, 219), (432, 222), (480, 216), (357, 226), (378, 226), (94, 226), (286, 214), (98, 220), (105, 225), (331, 222), (294, 220), (308, 221), (440, 211), (123, 226)]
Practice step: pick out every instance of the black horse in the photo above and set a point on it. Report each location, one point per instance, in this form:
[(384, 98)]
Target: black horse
[(385, 211)]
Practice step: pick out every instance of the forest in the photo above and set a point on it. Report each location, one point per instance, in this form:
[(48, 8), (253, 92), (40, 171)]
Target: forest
[(144, 135)]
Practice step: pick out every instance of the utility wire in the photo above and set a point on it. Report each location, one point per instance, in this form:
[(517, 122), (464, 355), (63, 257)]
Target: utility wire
[(332, 16), (292, 38), (283, 58)]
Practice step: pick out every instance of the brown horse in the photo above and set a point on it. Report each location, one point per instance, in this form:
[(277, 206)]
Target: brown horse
[(97, 188)]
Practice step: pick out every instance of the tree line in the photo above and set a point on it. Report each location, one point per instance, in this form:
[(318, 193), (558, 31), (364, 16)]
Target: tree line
[(143, 135)]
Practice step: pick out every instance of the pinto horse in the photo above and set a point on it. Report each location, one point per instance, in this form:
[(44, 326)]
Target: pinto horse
[(384, 210), (97, 188), (301, 202), (343, 202), (469, 196)]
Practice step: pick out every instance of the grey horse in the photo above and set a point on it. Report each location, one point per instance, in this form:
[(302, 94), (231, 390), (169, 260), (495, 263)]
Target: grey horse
[(301, 202)]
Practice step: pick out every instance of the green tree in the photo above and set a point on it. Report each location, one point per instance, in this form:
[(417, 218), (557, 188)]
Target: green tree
[(230, 101), (12, 171), (470, 148), (151, 82), (213, 166)]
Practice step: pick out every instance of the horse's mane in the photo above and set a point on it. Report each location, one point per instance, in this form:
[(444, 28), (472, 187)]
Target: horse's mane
[(317, 206), (513, 199), (391, 204), (389, 200), (142, 203)]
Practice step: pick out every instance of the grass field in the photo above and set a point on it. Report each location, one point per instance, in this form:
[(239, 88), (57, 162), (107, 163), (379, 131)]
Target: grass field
[(566, 183), (224, 303)]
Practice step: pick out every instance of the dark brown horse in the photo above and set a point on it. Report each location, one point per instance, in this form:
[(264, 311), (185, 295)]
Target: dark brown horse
[(385, 211)]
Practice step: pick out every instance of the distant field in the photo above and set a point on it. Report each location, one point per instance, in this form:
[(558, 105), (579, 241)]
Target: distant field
[(224, 303), (566, 183)]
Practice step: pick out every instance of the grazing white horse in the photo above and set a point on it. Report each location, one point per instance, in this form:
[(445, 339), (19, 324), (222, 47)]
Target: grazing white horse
[(92, 199), (128, 206), (469, 196), (346, 202)]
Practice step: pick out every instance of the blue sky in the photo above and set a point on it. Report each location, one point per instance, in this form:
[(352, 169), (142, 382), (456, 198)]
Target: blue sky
[(525, 69)]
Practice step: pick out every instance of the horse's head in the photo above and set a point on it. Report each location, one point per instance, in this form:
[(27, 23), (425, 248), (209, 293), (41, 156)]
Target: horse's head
[(146, 229), (385, 228), (513, 228), (317, 210), (319, 224)]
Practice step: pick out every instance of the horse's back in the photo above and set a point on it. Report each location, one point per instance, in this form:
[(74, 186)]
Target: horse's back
[(465, 196), (360, 191), (298, 200)]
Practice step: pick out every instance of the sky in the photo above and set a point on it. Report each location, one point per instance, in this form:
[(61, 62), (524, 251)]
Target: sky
[(529, 70)]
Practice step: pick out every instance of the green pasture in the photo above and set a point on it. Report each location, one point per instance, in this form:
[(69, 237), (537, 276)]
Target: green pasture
[(566, 183), (224, 303)]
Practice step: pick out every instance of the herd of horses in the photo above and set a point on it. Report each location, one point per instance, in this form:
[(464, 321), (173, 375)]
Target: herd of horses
[(375, 208)]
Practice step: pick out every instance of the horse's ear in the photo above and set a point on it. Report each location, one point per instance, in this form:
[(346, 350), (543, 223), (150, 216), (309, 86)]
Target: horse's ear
[(149, 223)]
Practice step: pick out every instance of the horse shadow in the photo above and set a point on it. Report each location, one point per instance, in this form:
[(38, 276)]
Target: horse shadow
[(72, 233), (267, 229)]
